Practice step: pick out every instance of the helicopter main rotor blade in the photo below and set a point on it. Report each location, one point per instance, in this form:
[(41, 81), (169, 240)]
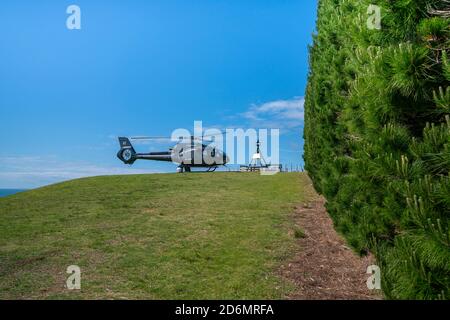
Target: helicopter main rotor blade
[(207, 137), (150, 138), (170, 139)]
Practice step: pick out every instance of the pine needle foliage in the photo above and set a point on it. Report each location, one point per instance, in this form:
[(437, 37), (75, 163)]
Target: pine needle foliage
[(377, 131)]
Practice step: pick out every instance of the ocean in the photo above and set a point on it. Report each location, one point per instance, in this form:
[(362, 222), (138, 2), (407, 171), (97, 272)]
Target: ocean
[(8, 192)]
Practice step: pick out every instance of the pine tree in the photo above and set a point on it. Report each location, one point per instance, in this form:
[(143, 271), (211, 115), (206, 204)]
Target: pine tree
[(377, 136)]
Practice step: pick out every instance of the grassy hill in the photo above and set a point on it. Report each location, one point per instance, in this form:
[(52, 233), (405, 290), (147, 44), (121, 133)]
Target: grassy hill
[(169, 236)]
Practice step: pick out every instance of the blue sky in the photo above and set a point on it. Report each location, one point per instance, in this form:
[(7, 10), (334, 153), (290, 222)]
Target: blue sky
[(143, 68)]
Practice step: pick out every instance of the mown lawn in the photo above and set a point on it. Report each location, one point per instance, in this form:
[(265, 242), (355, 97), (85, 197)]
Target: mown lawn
[(168, 236)]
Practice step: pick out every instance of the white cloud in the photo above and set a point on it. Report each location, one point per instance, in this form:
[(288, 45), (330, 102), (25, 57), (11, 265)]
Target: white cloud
[(282, 114)]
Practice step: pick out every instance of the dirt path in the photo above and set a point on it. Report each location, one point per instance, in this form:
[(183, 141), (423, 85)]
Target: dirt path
[(324, 267)]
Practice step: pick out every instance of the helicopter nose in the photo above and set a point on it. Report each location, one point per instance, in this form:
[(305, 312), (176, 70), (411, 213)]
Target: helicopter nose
[(225, 159)]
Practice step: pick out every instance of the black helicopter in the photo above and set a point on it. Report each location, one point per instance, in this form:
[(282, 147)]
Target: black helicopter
[(188, 153)]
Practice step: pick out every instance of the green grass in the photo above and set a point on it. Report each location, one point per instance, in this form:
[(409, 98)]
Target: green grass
[(299, 233), (168, 236)]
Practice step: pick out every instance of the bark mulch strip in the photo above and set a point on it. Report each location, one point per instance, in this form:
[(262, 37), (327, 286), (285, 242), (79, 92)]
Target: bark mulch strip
[(325, 268)]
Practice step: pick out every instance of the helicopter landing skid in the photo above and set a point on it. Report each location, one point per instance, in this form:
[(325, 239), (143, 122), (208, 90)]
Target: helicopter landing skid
[(182, 169)]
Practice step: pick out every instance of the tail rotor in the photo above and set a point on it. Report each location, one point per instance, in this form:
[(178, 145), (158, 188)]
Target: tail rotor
[(126, 154)]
